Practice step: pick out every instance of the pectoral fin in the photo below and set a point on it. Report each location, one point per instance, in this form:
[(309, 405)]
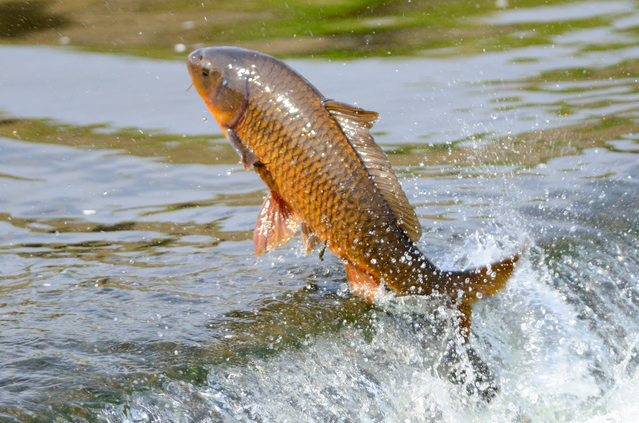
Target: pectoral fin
[(246, 154), (276, 224)]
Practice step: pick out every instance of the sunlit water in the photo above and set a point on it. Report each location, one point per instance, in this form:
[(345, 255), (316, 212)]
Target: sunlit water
[(129, 290)]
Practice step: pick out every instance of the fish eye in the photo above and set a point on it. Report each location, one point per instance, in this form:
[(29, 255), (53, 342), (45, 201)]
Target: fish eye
[(206, 68)]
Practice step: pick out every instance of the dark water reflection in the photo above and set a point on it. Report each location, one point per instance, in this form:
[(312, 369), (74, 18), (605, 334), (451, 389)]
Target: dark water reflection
[(128, 286)]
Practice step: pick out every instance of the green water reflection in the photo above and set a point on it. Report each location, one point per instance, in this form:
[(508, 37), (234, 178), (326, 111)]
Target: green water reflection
[(318, 28)]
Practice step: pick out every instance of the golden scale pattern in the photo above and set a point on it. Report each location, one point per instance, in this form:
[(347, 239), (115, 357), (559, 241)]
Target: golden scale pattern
[(325, 182)]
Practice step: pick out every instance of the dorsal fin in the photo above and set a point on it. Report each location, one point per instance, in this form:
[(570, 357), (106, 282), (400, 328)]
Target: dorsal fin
[(355, 124)]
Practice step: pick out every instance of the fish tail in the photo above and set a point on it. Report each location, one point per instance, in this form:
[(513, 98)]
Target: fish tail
[(474, 284), (469, 286), (463, 287)]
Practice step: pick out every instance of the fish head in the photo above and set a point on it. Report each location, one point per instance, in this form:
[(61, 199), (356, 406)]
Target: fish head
[(220, 76)]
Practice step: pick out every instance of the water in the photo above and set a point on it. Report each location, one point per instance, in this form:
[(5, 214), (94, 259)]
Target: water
[(129, 290)]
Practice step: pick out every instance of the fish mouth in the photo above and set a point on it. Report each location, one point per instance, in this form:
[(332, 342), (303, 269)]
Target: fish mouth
[(194, 61)]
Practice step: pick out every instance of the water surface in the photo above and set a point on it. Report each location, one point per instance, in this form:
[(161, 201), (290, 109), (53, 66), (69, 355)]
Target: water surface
[(129, 290)]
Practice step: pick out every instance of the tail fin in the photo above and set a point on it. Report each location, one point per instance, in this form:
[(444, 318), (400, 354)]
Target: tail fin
[(472, 285), (477, 283)]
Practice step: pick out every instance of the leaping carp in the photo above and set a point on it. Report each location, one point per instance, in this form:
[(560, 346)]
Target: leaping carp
[(326, 174)]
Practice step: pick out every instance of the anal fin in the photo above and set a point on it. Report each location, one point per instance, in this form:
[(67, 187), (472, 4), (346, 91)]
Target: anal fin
[(276, 224), (362, 283)]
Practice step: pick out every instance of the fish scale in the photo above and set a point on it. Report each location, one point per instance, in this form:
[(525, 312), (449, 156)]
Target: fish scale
[(323, 168), (324, 213), (278, 146), (341, 173)]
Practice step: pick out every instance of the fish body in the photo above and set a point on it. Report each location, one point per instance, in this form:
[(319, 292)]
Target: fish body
[(325, 172)]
